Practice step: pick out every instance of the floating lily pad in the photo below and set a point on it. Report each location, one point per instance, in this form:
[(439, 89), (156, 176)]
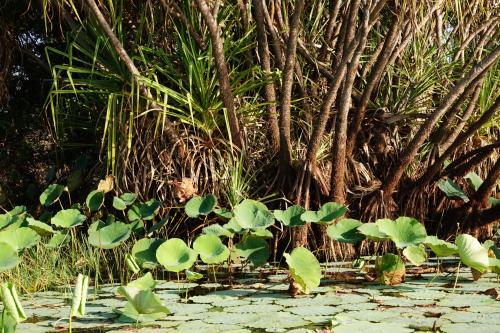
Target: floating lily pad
[(346, 231), (175, 255), (251, 214), (255, 308), (278, 320), (110, 236), (211, 249), (291, 216), (469, 327), (68, 218), (197, 206), (315, 310), (326, 214), (225, 318)]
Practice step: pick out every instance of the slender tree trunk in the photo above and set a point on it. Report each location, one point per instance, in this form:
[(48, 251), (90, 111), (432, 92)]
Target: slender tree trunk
[(222, 73)]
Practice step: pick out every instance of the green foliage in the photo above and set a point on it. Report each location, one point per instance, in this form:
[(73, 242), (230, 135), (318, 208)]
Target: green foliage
[(304, 268), (211, 249), (326, 214), (20, 239), (372, 232), (94, 200), (254, 249), (291, 216), (51, 194), (197, 206), (440, 247), (472, 253), (390, 269), (251, 214), (144, 251), (346, 231), (68, 218), (175, 255), (79, 298), (404, 231), (8, 257), (11, 302), (109, 236), (415, 254)]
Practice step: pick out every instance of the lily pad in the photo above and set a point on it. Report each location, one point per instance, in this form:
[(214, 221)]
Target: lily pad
[(197, 206), (326, 214), (211, 249), (404, 231), (251, 214), (110, 236), (291, 216), (175, 255), (68, 218), (346, 231), (304, 268)]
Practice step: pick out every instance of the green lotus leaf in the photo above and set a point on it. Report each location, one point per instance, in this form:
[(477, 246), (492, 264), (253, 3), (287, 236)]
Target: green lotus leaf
[(197, 206), (291, 216), (109, 236), (128, 198), (7, 323), (132, 263), (144, 251), (304, 268), (494, 202), (223, 212), (405, 231), (59, 239), (217, 230), (68, 218), (144, 282), (144, 211), (175, 255), (493, 250), (41, 228), (346, 231), (51, 194), (119, 204), (12, 303), (440, 247), (415, 254), (262, 232), (211, 249), (251, 214), (390, 269), (452, 190), (472, 253), (94, 200), (494, 265), (20, 239), (79, 296), (157, 226), (8, 257), (18, 210), (233, 226), (12, 221), (143, 301), (193, 276), (326, 214), (474, 180), (372, 232), (254, 249)]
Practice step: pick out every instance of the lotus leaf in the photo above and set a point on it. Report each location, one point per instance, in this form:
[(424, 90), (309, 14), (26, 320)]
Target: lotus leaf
[(415, 254), (211, 249), (128, 198), (390, 269), (262, 232), (144, 211), (8, 257), (9, 221), (193, 276), (291, 216), (372, 232), (253, 249), (223, 212), (197, 206), (474, 180), (144, 251), (217, 230), (68, 218), (12, 303), (175, 255), (59, 239), (326, 214), (472, 253), (144, 282), (142, 301), (79, 296), (20, 239), (110, 236), (304, 268), (41, 228), (251, 214), (94, 200), (132, 263), (452, 190), (233, 226), (404, 231), (119, 204), (346, 231), (51, 194), (440, 247), (7, 323)]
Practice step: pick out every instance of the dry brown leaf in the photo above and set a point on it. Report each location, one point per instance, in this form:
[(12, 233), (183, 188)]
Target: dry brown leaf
[(106, 184)]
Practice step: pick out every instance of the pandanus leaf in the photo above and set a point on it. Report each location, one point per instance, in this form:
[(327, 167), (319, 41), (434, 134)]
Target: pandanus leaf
[(79, 296), (326, 214), (304, 268), (12, 303), (197, 206), (452, 190), (175, 255)]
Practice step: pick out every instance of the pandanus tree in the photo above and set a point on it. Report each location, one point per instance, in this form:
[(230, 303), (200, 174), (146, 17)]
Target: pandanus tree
[(365, 103)]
